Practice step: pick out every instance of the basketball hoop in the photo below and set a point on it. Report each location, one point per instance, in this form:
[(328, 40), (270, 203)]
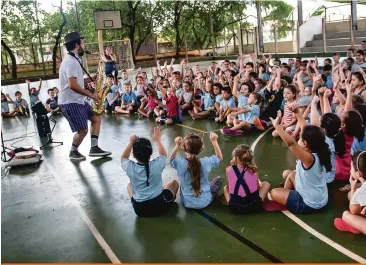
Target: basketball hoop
[(107, 19)]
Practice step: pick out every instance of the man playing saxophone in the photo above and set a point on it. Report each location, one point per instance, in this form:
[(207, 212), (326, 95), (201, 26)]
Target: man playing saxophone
[(71, 99)]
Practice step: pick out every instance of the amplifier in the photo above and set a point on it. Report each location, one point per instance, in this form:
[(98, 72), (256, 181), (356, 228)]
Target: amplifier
[(43, 126)]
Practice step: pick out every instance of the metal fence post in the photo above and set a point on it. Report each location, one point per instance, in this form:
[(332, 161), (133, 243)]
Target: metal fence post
[(186, 46), (240, 37), (324, 35), (225, 42), (255, 42), (351, 29), (275, 38), (298, 37)]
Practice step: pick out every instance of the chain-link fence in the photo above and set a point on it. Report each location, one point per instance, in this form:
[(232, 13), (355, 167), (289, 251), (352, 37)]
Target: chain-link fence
[(121, 48)]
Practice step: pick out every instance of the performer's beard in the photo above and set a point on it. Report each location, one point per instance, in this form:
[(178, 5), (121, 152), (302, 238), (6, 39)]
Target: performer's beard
[(81, 52)]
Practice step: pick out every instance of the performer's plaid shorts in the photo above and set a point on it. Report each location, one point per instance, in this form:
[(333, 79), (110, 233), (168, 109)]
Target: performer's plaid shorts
[(77, 115)]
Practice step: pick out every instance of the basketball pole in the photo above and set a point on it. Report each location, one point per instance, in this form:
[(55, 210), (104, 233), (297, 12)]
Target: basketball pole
[(100, 41)]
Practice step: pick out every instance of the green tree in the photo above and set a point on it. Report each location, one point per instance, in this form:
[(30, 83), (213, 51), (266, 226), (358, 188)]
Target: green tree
[(19, 28), (278, 13), (136, 19)]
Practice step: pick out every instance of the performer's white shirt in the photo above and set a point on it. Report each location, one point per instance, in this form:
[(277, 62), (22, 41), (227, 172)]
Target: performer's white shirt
[(70, 67)]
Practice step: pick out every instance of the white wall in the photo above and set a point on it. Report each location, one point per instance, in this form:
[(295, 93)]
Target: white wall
[(310, 28)]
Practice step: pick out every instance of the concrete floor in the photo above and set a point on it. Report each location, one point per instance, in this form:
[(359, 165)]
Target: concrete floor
[(41, 223), (41, 220)]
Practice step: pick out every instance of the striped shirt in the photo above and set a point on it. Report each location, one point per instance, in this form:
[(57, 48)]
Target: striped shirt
[(288, 115)]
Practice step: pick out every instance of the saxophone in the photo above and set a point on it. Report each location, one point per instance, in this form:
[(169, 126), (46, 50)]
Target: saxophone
[(102, 88)]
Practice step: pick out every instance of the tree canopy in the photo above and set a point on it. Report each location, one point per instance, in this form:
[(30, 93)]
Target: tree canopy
[(175, 21)]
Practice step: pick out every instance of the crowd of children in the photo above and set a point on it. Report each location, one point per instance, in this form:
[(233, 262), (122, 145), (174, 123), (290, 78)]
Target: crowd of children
[(21, 106), (318, 112)]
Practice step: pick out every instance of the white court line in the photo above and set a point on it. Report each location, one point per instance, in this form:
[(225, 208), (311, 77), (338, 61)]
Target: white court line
[(309, 229), (104, 245)]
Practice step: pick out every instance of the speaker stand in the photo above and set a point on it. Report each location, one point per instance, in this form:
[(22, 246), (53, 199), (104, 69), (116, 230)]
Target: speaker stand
[(49, 135)]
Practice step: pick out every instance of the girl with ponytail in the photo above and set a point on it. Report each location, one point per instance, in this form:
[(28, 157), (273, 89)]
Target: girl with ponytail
[(196, 190), (148, 196), (305, 188), (352, 128)]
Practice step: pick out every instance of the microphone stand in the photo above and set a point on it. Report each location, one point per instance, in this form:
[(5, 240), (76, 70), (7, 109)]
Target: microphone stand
[(3, 149)]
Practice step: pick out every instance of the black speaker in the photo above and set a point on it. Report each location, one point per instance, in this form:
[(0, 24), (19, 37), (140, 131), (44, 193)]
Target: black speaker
[(39, 109), (43, 126)]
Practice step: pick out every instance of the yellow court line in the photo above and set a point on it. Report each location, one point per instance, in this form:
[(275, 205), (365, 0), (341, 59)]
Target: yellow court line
[(184, 126), (308, 228)]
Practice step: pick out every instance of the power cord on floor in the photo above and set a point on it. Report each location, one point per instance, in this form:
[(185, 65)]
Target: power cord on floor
[(19, 139), (22, 137)]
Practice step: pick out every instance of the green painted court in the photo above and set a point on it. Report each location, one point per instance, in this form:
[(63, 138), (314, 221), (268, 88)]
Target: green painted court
[(80, 212)]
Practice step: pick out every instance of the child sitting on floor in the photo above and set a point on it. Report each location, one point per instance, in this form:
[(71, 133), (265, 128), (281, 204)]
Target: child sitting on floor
[(112, 97), (152, 103), (331, 124), (227, 102), (288, 121), (354, 220), (208, 110), (5, 110), (351, 128), (20, 105), (196, 190), (51, 104), (148, 196), (129, 101), (305, 188), (186, 97), (172, 112), (246, 115), (240, 97), (244, 193), (33, 92)]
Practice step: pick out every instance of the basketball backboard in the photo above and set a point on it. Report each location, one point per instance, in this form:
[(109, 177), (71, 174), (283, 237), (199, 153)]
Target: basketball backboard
[(107, 19)]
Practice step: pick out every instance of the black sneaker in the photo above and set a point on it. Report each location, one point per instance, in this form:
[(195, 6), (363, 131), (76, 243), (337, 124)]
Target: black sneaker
[(96, 151), (76, 156)]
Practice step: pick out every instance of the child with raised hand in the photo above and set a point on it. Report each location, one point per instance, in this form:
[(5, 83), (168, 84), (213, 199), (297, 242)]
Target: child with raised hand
[(351, 128), (33, 92), (354, 220), (20, 105), (148, 196), (246, 116), (171, 107), (225, 105), (196, 190), (5, 110), (305, 188), (151, 104), (186, 97), (330, 123), (244, 193), (288, 121), (241, 97), (208, 109)]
